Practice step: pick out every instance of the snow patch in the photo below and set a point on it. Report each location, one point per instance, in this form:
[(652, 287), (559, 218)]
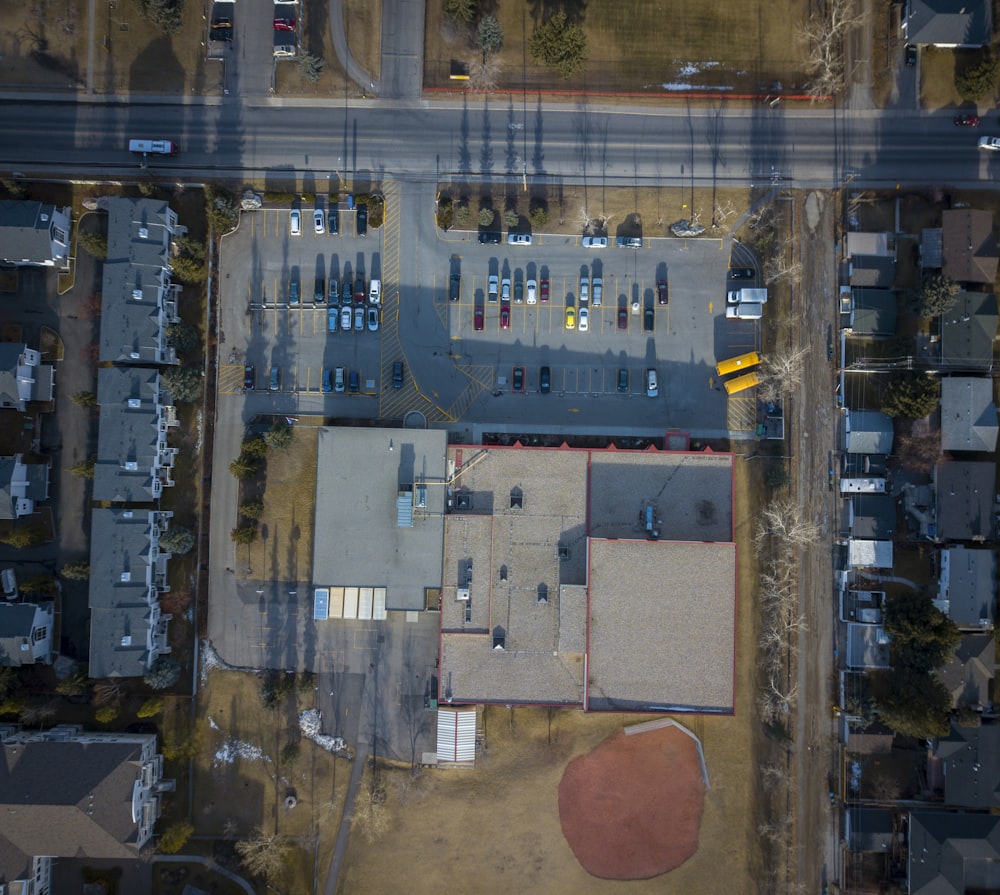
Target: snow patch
[(233, 749)]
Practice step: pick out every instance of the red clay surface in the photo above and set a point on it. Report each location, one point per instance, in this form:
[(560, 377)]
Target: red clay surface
[(631, 809)]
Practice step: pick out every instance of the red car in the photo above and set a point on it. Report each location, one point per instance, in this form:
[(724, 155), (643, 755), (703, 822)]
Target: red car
[(661, 291), (545, 290), (505, 317), (478, 320), (623, 318), (967, 120), (284, 24)]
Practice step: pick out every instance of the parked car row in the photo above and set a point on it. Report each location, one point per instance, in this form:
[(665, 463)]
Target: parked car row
[(532, 291), (328, 220), (356, 317), (334, 379), (518, 381), (492, 237)]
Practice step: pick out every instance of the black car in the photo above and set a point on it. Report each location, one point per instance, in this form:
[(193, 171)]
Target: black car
[(544, 380), (249, 378), (911, 55), (623, 379), (647, 320), (319, 292), (488, 237), (455, 287), (397, 374), (362, 220), (333, 217), (741, 273)]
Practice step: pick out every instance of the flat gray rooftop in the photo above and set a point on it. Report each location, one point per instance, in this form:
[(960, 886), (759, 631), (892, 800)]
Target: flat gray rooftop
[(358, 542), (662, 626), (691, 495)]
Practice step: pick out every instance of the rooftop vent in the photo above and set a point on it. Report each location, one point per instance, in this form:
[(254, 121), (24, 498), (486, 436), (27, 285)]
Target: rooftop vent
[(126, 640), (135, 403), (563, 553), (127, 514), (499, 638), (144, 233), (543, 593), (137, 295), (463, 500), (516, 499), (44, 217), (126, 577), (503, 573), (134, 355)]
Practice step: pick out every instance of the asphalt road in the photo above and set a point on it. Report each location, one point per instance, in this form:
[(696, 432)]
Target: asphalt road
[(427, 141)]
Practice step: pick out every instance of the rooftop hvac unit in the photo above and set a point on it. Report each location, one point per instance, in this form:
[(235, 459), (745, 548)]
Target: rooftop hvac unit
[(126, 577), (462, 594), (420, 496), (135, 403), (131, 465), (127, 514), (137, 294), (126, 640), (143, 233), (134, 355)]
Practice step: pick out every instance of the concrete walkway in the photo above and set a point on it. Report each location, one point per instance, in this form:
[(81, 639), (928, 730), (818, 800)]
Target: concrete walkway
[(340, 849), (339, 36)]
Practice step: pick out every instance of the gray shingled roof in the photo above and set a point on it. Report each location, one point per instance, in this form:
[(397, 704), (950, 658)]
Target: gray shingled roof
[(131, 453), (949, 23), (10, 395), (964, 494), (953, 852), (969, 670), (69, 799), (120, 580), (26, 232), (971, 577), (968, 414), (877, 271), (874, 516), (971, 757), (969, 246), (874, 312), (968, 331), (867, 432), (137, 302)]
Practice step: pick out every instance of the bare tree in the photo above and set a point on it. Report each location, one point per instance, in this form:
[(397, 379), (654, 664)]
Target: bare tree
[(781, 519), (782, 265), (823, 36), (371, 818), (780, 372), (484, 74), (774, 777), (264, 855)]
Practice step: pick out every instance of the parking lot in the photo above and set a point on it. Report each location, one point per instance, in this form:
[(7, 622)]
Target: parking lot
[(458, 373)]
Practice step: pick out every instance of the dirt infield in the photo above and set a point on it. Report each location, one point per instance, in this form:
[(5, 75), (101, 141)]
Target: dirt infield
[(631, 809)]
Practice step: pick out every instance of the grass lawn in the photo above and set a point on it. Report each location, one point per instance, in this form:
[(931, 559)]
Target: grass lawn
[(241, 782), (283, 552), (640, 47), (938, 68), (43, 44)]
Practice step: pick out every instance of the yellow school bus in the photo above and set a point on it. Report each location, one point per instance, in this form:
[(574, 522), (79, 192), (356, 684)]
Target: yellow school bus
[(741, 383), (735, 364)]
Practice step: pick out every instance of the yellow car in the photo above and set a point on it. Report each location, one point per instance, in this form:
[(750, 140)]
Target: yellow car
[(570, 318)]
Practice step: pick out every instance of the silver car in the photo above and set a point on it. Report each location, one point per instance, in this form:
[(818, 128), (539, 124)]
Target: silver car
[(359, 319), (345, 318)]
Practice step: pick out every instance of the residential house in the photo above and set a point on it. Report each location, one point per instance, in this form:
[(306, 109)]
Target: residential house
[(71, 795), (33, 234), (26, 633), (871, 516), (864, 606), (872, 271), (139, 301), (967, 587), (134, 460), (23, 376), (22, 485), (947, 23), (968, 673), (867, 646), (867, 432), (128, 572), (953, 852), (963, 496), (869, 829), (873, 313), (968, 415), (967, 332), (971, 759), (969, 248), (878, 244), (864, 553)]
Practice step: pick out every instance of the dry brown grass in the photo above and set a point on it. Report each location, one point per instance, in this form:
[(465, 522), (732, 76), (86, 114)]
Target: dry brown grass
[(283, 552), (938, 69), (43, 44), (233, 798), (741, 47)]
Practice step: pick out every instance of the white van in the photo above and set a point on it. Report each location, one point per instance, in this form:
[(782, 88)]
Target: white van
[(375, 292), (152, 147), (9, 581)]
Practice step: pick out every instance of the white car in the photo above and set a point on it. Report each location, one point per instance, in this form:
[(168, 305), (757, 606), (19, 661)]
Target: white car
[(519, 239), (319, 221), (505, 290), (584, 289), (375, 292), (532, 292), (295, 222), (652, 386), (594, 242), (598, 291), (583, 320), (991, 143), (494, 284)]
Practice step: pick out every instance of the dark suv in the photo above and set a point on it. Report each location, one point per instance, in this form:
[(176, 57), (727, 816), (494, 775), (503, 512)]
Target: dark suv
[(362, 220), (488, 237), (455, 287)]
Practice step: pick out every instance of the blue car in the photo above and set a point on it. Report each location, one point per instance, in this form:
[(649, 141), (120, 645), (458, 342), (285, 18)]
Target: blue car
[(332, 318)]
